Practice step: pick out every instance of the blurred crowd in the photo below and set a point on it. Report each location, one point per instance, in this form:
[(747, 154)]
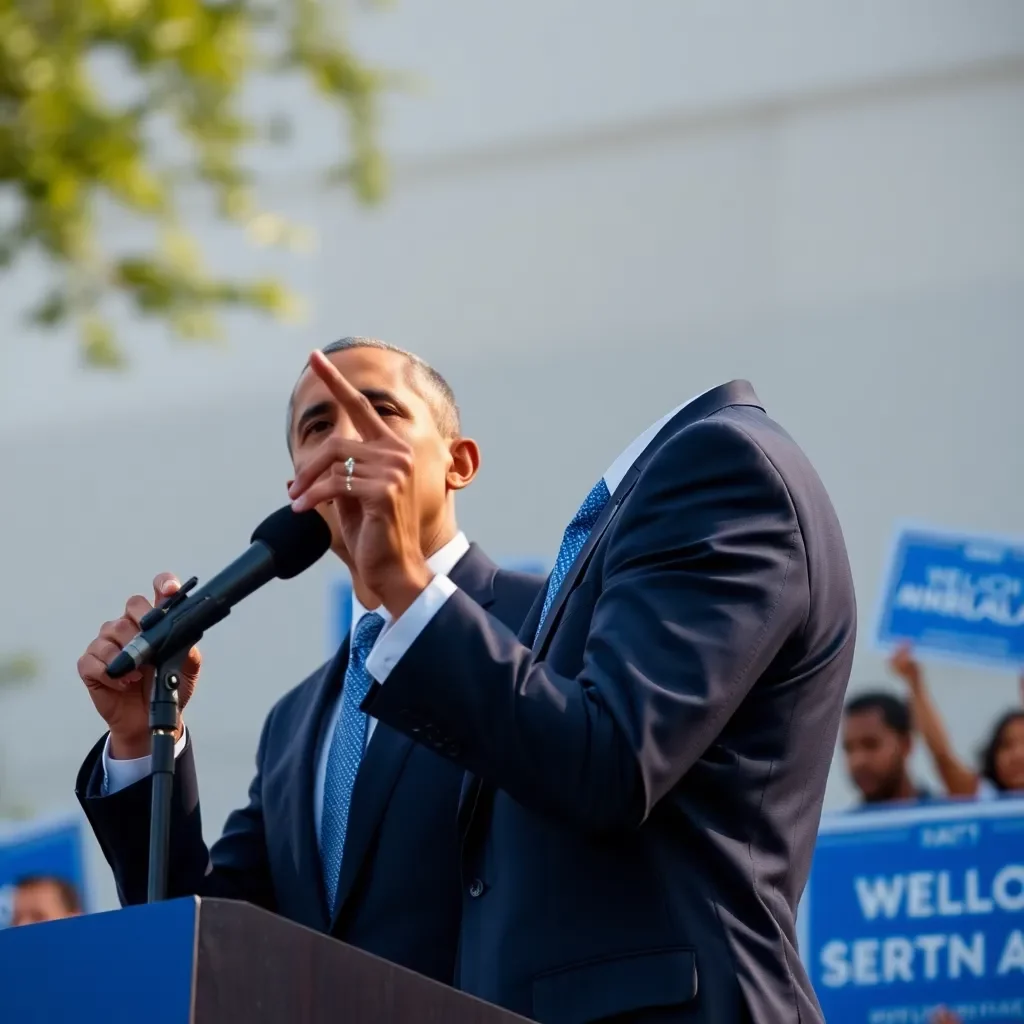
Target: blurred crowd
[(879, 729), (39, 898)]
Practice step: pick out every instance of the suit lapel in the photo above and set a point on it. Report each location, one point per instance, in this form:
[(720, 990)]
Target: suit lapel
[(736, 392), (389, 750), (300, 786), (474, 573), (381, 766), (577, 567), (469, 796), (472, 786), (528, 630)]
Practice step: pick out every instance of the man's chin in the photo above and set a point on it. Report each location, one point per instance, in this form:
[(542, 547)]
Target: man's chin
[(329, 514), (872, 794)]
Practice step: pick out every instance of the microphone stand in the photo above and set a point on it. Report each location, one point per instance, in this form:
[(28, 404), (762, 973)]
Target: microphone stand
[(163, 721)]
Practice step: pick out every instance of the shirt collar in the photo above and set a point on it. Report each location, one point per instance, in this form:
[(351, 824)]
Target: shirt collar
[(441, 562), (621, 466)]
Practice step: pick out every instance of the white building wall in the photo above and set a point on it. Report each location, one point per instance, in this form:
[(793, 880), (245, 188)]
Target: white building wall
[(599, 210)]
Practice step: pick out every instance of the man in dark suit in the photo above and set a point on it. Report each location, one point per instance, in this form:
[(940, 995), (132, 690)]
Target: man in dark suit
[(648, 757), (350, 826)]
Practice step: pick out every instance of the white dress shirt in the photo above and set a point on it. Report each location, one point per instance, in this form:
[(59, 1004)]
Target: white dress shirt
[(121, 774), (397, 637)]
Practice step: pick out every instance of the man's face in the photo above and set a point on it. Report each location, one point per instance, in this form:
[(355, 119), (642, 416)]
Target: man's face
[(38, 902), (876, 755), (1010, 756), (386, 379)]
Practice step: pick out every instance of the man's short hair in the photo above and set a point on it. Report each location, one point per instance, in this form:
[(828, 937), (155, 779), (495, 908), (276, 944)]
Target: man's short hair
[(431, 386), (67, 891), (894, 712)]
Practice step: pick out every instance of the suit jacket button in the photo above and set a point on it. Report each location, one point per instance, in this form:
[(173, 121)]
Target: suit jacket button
[(453, 749), (476, 888)]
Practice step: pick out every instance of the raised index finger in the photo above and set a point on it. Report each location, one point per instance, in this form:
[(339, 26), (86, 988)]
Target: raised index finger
[(363, 415)]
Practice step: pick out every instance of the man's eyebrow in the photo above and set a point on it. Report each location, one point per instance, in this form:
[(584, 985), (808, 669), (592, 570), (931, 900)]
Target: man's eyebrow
[(323, 409), (381, 395), (313, 412)]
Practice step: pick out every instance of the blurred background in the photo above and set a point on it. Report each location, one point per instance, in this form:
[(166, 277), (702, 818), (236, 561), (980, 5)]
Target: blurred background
[(582, 213)]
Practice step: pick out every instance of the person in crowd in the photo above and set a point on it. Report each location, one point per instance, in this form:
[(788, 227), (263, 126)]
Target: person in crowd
[(1002, 759), (877, 741), (39, 898), (351, 826)]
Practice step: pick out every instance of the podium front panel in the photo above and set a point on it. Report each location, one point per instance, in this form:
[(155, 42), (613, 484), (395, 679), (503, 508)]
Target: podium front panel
[(122, 967)]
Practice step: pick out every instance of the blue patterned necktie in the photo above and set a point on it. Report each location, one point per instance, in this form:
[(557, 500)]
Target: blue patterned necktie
[(575, 536), (346, 752)]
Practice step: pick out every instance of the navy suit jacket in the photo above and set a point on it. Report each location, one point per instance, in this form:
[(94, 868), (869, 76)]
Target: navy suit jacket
[(647, 775), (399, 889)]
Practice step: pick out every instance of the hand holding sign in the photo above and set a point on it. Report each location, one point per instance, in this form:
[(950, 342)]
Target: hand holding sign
[(905, 665), (371, 480)]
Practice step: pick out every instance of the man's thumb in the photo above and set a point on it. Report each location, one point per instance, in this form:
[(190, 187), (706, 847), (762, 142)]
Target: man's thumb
[(164, 585)]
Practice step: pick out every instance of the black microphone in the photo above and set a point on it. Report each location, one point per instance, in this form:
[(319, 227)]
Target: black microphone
[(285, 544)]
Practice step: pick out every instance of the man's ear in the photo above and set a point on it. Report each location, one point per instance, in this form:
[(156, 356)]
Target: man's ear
[(465, 454)]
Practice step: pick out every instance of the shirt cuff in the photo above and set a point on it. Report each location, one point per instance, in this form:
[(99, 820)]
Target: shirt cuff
[(398, 636), (118, 775)]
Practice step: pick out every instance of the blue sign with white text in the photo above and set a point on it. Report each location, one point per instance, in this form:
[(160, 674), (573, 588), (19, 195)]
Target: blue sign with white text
[(48, 847), (956, 596), (341, 599), (908, 910)]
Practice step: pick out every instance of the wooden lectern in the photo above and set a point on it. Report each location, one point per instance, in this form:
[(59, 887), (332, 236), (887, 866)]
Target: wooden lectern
[(192, 961)]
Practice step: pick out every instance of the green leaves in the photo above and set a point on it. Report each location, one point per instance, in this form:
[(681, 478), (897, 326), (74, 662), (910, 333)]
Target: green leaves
[(68, 145), (17, 669)]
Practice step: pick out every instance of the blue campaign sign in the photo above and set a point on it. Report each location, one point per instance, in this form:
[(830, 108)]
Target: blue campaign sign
[(956, 596), (908, 910), (51, 846), (121, 967), (341, 598)]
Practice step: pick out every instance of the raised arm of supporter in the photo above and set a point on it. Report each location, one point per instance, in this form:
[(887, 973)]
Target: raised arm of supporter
[(958, 778)]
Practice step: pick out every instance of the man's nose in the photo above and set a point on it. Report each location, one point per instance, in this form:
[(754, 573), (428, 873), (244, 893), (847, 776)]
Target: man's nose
[(345, 430)]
